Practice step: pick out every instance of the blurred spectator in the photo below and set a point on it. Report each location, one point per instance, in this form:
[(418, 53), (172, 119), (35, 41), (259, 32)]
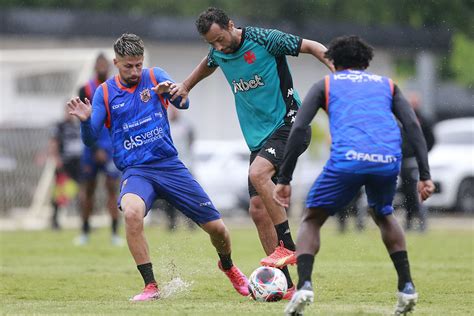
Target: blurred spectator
[(409, 170), (95, 160), (182, 133), (65, 147)]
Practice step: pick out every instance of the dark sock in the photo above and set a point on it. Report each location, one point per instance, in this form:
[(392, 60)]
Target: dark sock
[(114, 226), (305, 268), (400, 261), (284, 234), (226, 261), (146, 270), (85, 227), (287, 275)]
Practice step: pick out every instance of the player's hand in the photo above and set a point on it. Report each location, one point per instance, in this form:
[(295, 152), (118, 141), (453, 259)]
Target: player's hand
[(80, 109), (282, 194), (179, 90), (162, 87), (425, 189)]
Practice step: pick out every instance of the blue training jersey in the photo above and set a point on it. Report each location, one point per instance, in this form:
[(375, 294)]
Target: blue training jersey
[(365, 135), (136, 119), (261, 82)]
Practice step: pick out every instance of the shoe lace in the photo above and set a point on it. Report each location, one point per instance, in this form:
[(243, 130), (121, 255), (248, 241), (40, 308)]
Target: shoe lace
[(280, 251), (150, 287)]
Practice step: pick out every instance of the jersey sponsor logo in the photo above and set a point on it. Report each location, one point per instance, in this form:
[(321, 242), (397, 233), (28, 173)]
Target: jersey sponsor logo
[(145, 95), (143, 138), (250, 57), (117, 106), (354, 155), (358, 77), (243, 85)]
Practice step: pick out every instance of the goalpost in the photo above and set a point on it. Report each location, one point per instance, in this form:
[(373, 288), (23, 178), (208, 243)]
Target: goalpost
[(35, 84)]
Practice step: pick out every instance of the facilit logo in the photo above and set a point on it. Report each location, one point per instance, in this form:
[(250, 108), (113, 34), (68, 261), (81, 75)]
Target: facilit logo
[(243, 85), (250, 57), (354, 155)]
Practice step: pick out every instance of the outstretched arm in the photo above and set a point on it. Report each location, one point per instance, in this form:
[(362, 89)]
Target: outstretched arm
[(404, 112), (182, 89), (317, 50), (92, 116)]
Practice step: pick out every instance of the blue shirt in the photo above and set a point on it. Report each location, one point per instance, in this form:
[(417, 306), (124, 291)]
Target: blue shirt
[(136, 119), (260, 79)]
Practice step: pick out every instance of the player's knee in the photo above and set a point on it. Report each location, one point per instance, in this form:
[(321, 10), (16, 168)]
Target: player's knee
[(132, 212), (258, 176), (257, 210)]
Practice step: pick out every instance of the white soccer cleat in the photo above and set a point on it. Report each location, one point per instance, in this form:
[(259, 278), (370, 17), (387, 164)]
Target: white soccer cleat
[(406, 300), (300, 300)]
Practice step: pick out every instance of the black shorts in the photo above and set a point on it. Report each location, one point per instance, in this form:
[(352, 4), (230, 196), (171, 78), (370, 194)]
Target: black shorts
[(273, 150)]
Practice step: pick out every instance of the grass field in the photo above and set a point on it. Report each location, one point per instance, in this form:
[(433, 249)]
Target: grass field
[(42, 273)]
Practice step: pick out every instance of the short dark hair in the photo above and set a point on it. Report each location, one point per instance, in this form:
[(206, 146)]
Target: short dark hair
[(210, 16), (129, 44), (350, 52)]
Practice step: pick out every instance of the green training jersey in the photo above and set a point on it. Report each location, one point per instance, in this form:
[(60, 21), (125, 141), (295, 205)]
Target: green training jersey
[(260, 79)]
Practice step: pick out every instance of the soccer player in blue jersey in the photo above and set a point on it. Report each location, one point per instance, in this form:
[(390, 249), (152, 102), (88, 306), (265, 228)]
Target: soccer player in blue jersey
[(133, 106), (365, 151), (254, 62), (98, 159)]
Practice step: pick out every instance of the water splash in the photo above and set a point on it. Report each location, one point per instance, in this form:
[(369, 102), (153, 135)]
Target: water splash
[(174, 287)]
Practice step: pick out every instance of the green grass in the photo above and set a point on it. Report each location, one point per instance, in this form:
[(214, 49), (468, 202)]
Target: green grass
[(42, 273)]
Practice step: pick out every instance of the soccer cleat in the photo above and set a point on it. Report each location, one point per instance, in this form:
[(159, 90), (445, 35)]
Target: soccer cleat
[(150, 293), (81, 240), (117, 241), (280, 258), (407, 299), (300, 299), (289, 293), (237, 278)]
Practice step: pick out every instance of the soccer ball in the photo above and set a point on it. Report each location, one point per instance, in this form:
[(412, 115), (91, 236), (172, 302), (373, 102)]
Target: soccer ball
[(267, 284)]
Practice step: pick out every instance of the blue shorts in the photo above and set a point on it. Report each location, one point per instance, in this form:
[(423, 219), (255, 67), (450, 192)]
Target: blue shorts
[(334, 190), (169, 180), (90, 167)]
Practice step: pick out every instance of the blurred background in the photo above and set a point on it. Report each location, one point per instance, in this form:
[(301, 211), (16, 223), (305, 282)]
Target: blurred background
[(48, 50)]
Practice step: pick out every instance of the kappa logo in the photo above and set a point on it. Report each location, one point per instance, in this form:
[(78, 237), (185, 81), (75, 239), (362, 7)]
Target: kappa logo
[(145, 95), (250, 57), (271, 151)]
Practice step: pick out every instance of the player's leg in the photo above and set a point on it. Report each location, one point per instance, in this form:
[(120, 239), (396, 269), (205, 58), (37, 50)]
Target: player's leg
[(380, 192), (86, 196), (135, 200), (267, 233), (331, 192), (178, 187)]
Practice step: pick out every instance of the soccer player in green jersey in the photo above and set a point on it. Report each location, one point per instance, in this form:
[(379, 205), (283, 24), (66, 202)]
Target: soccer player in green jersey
[(254, 63)]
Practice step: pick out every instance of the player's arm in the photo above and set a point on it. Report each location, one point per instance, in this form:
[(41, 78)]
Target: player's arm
[(204, 69), (164, 88), (279, 43), (317, 50), (295, 146), (92, 116), (405, 114)]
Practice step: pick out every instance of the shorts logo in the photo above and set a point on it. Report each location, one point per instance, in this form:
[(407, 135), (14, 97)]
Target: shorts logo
[(145, 95), (123, 184), (250, 57), (354, 155), (271, 151), (208, 203), (243, 85)]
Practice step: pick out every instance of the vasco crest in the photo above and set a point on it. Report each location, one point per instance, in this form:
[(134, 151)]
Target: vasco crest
[(145, 95)]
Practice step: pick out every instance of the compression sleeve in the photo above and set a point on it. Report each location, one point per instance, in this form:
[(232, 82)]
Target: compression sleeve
[(91, 128), (162, 76), (314, 100), (405, 114)]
